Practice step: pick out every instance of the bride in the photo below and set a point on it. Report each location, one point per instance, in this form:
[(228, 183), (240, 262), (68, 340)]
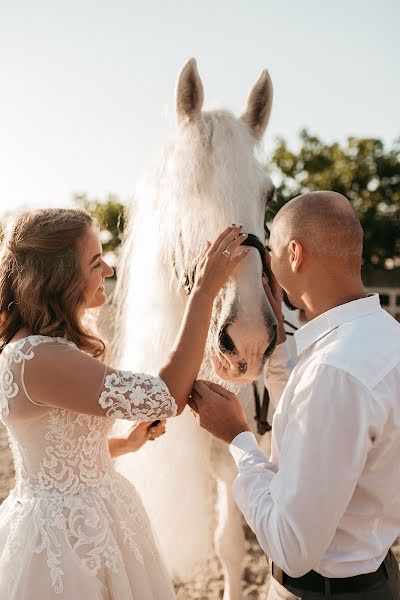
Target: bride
[(72, 527)]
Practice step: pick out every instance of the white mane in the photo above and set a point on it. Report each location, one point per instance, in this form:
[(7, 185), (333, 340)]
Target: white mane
[(206, 179)]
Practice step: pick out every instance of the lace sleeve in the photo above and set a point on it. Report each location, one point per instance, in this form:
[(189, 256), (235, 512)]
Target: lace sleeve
[(60, 375), (136, 396)]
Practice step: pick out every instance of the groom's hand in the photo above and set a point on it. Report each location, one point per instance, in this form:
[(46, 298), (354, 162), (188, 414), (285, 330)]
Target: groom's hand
[(218, 411), (274, 294)]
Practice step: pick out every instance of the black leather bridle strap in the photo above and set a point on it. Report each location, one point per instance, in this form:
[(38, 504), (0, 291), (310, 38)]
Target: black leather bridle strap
[(255, 242), (261, 408), (261, 405), (251, 240)]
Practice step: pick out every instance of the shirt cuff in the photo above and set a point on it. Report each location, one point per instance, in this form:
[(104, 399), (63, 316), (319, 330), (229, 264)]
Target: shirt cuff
[(243, 444)]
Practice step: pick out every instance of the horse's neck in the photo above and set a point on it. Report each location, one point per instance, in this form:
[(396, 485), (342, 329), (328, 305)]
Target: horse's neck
[(156, 303), (153, 312)]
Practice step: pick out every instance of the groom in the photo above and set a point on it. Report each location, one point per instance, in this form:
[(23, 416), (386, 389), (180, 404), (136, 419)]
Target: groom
[(326, 506)]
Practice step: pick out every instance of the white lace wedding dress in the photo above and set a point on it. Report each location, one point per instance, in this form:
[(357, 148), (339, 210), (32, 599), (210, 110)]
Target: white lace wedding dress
[(73, 528)]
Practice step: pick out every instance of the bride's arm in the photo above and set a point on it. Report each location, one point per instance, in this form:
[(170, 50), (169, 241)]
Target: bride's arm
[(65, 377), (181, 370), (182, 366)]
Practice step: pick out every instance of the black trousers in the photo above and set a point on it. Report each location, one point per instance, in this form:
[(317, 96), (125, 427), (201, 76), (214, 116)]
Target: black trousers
[(388, 588)]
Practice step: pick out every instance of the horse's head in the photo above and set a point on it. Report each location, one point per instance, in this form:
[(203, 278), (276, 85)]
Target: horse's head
[(210, 179)]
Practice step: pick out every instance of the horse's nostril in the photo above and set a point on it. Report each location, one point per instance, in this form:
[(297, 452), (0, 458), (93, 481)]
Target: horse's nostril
[(225, 341), (242, 367)]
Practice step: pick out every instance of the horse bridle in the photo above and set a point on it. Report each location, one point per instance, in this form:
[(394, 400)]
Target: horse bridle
[(251, 240), (261, 406)]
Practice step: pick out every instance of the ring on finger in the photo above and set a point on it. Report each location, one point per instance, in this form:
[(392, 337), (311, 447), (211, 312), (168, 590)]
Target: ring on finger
[(226, 253), (233, 245)]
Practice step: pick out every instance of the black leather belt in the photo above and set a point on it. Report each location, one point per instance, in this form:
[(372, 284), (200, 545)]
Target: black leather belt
[(314, 582)]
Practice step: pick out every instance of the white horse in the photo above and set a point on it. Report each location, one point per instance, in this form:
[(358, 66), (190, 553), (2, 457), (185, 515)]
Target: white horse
[(207, 178)]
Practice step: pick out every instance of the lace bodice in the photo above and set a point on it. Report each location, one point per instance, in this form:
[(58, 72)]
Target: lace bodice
[(58, 405), (56, 447)]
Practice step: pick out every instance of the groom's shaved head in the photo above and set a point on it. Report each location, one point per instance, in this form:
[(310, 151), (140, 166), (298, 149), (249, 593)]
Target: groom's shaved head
[(324, 223)]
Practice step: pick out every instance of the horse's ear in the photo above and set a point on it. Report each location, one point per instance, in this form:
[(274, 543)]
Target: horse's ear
[(259, 104), (189, 93)]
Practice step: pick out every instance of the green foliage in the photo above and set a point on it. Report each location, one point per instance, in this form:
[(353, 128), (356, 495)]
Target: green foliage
[(110, 214), (361, 169)]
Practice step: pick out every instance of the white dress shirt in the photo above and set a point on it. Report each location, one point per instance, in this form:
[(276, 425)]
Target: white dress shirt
[(329, 497)]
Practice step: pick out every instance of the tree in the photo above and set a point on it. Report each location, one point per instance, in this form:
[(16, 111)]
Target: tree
[(110, 214), (361, 169)]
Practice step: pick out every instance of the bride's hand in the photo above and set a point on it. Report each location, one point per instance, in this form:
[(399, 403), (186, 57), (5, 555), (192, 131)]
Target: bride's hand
[(135, 438), (141, 432), (219, 260)]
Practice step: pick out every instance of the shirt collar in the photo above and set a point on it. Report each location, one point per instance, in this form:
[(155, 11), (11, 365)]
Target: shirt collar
[(311, 332)]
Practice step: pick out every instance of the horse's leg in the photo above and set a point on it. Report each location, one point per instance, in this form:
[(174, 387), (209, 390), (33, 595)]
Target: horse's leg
[(229, 539), (229, 536)]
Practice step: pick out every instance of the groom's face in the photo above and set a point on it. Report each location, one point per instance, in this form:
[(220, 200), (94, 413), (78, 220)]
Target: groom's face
[(287, 302), (281, 268)]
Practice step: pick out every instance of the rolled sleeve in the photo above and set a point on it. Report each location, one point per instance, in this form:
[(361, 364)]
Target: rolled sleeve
[(243, 445)]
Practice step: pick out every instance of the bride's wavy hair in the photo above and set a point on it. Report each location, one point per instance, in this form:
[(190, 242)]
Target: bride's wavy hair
[(41, 283)]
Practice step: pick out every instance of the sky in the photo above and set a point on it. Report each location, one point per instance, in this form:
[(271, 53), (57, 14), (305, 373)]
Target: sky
[(87, 87)]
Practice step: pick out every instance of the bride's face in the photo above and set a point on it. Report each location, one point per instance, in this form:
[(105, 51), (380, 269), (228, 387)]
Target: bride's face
[(94, 269)]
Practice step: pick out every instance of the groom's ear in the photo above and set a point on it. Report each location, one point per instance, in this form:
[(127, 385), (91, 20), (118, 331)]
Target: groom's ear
[(295, 255)]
